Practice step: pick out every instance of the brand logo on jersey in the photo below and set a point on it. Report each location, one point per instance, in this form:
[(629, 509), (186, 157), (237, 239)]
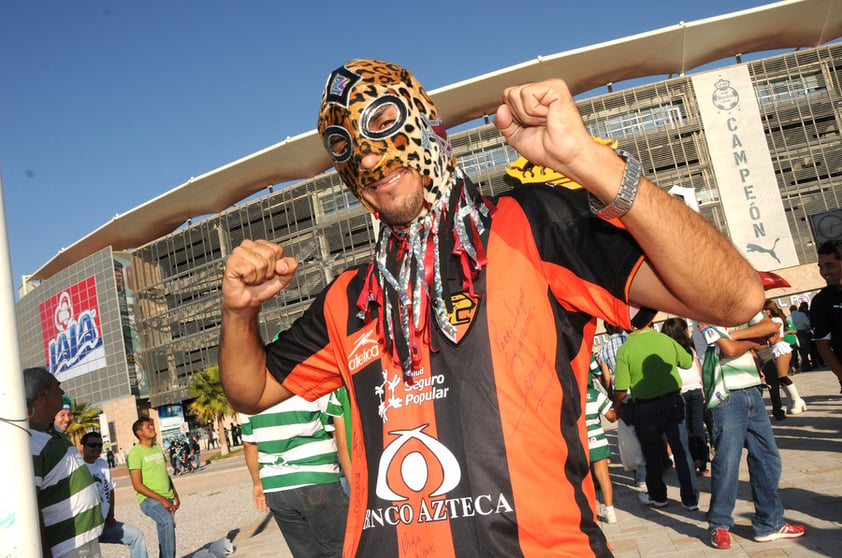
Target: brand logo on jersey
[(422, 389), (462, 316), (405, 466), (365, 350), (414, 464)]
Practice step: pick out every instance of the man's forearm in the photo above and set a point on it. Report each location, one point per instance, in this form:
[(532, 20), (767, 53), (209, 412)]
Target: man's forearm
[(242, 361), (704, 276), (250, 453)]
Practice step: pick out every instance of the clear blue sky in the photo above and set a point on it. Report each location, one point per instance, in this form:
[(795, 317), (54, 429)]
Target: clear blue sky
[(105, 105)]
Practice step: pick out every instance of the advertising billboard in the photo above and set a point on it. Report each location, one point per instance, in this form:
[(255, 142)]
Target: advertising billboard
[(72, 332), (743, 168)]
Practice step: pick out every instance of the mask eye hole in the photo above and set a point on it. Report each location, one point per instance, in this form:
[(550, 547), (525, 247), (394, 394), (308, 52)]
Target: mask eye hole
[(338, 143), (383, 117)]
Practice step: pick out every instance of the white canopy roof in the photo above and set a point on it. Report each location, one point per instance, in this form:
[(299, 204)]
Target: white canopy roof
[(670, 50)]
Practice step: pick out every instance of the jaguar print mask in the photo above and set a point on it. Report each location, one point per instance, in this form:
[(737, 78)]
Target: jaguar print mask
[(413, 137)]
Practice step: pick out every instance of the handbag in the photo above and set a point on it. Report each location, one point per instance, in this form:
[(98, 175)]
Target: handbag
[(631, 454), (713, 380)]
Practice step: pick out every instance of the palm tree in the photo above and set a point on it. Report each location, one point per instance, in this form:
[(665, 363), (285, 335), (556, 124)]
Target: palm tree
[(84, 419), (210, 403)]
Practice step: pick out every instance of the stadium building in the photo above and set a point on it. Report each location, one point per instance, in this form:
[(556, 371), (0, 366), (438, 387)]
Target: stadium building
[(126, 315)]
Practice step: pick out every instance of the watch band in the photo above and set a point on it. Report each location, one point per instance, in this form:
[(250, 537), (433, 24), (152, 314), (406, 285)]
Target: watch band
[(627, 193)]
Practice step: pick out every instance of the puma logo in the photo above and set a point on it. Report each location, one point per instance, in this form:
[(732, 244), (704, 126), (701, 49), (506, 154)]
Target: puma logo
[(770, 251)]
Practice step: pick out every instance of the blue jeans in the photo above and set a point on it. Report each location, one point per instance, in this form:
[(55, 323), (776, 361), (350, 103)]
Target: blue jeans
[(166, 525), (741, 421), (129, 535), (665, 417), (311, 518)]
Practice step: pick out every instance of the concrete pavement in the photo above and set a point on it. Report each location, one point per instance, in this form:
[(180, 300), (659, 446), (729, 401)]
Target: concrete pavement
[(811, 489)]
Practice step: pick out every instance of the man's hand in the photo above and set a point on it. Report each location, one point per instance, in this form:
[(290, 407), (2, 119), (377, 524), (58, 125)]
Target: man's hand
[(260, 499), (541, 121), (170, 506), (255, 272)]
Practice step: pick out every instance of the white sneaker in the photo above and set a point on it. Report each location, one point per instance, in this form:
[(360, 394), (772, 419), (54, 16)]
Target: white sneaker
[(647, 500), (798, 407), (609, 514)]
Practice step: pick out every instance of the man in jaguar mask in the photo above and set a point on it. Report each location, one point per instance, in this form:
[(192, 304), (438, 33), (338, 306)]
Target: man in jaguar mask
[(464, 343)]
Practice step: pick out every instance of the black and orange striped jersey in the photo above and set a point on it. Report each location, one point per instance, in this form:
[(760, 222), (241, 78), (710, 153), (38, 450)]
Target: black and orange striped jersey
[(483, 451)]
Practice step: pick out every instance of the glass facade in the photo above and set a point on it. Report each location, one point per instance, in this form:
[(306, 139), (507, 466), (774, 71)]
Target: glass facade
[(74, 324)]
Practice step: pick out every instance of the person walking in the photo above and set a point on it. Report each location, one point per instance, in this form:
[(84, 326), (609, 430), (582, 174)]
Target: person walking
[(691, 392), (647, 363), (68, 505), (782, 351), (598, 406), (741, 422), (467, 335), (801, 321), (114, 532), (294, 467), (156, 492), (195, 452)]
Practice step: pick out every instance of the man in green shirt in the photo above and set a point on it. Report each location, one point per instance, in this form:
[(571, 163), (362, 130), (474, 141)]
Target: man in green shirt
[(647, 364), (156, 493)]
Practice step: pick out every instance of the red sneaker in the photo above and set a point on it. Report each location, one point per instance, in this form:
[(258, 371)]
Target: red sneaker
[(720, 538), (788, 531)]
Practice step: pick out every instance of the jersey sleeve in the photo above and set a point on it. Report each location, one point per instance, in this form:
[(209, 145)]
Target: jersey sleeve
[(622, 374), (603, 403), (304, 350), (589, 262), (246, 429), (334, 405)]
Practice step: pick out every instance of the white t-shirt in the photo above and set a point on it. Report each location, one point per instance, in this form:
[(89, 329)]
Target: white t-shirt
[(104, 483)]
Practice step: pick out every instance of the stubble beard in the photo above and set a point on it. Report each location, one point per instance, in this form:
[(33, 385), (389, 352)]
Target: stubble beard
[(401, 215)]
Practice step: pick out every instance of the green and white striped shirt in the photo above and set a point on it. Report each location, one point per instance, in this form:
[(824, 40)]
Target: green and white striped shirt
[(67, 493), (294, 449)]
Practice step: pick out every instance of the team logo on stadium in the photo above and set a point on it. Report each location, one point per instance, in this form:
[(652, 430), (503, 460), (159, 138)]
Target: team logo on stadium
[(465, 306), (725, 97)]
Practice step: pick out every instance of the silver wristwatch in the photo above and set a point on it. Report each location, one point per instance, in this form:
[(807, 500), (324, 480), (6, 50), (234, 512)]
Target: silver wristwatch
[(625, 196)]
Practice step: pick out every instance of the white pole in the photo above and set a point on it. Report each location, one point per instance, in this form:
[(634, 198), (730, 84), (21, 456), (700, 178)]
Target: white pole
[(20, 533)]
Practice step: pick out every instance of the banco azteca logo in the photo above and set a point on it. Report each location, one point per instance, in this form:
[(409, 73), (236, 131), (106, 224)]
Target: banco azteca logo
[(416, 463), (365, 350)]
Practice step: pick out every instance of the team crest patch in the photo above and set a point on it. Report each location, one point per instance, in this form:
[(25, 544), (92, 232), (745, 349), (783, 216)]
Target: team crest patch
[(465, 308), (340, 83)]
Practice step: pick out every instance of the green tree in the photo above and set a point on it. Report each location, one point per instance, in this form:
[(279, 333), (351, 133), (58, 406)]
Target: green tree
[(210, 403), (84, 418)]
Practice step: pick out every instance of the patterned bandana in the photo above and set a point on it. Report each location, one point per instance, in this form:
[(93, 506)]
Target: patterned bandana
[(411, 267)]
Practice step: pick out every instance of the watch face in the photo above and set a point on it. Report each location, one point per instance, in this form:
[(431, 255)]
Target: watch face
[(830, 226)]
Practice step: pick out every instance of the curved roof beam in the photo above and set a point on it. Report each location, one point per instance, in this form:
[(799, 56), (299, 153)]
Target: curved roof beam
[(669, 50)]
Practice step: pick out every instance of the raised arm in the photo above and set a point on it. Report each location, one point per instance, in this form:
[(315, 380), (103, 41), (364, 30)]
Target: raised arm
[(691, 269), (255, 272)]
